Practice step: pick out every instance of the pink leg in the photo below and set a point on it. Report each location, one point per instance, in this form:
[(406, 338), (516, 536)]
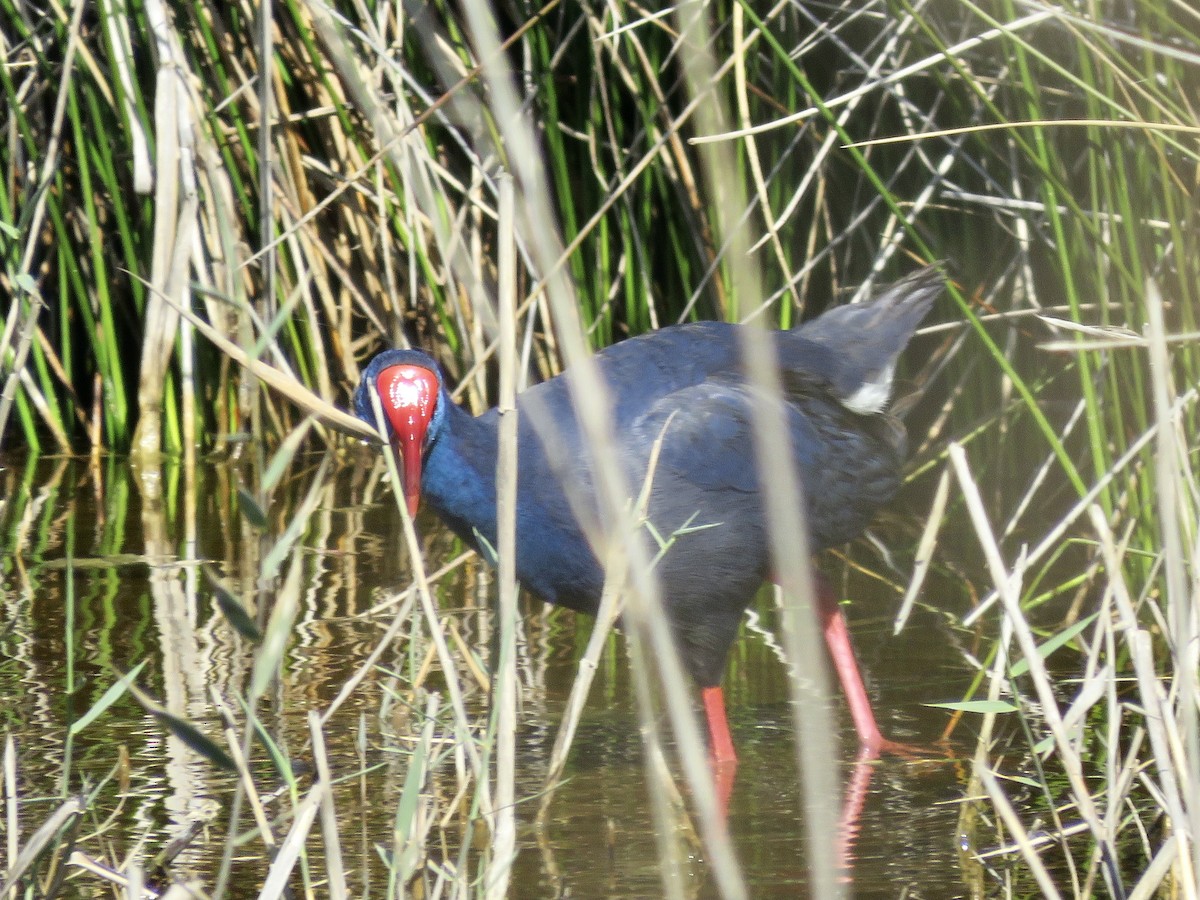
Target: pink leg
[(720, 742), (720, 747), (837, 638)]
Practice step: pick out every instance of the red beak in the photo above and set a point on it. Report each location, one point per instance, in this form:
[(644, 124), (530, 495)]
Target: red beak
[(409, 396)]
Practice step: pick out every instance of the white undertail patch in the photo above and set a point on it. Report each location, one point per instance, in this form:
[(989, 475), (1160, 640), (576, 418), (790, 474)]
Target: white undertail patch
[(873, 396)]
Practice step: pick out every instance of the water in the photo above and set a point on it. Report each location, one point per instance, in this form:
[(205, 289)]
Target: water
[(136, 594)]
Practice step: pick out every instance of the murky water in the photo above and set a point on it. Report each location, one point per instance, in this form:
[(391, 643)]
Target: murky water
[(101, 574)]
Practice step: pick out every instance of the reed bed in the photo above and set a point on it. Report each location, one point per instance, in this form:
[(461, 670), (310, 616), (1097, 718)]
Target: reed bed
[(212, 214)]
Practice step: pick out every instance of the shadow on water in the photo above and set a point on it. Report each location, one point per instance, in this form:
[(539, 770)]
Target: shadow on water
[(100, 575)]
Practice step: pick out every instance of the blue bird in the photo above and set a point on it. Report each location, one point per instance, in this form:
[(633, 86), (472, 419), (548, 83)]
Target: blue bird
[(686, 384)]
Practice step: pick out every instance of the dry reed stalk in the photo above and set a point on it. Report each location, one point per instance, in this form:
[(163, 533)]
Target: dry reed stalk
[(606, 618), (372, 659), (504, 695), (784, 502), (335, 882), (1179, 519), (925, 550), (176, 205), (249, 788), (63, 815), (1009, 585), (276, 883), (1016, 828), (12, 822)]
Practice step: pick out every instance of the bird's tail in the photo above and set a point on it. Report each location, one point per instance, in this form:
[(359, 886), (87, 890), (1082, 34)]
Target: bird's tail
[(865, 339)]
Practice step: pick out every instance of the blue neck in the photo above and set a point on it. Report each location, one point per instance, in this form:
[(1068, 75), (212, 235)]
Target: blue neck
[(459, 476), (554, 559)]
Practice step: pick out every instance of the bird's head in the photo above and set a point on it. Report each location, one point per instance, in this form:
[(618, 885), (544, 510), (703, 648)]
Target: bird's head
[(409, 385)]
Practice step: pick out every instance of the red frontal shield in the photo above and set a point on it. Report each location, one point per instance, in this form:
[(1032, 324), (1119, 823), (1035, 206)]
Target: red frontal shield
[(409, 396)]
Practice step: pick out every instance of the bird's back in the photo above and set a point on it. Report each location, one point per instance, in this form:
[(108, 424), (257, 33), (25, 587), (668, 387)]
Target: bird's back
[(848, 354)]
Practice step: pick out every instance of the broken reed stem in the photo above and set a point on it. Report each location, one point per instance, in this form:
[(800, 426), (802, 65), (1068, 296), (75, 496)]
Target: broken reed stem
[(925, 550)]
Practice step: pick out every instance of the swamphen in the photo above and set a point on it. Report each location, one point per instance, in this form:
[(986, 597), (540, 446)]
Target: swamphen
[(683, 382)]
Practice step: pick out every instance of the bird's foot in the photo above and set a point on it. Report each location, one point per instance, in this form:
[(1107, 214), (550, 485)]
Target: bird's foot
[(877, 746)]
